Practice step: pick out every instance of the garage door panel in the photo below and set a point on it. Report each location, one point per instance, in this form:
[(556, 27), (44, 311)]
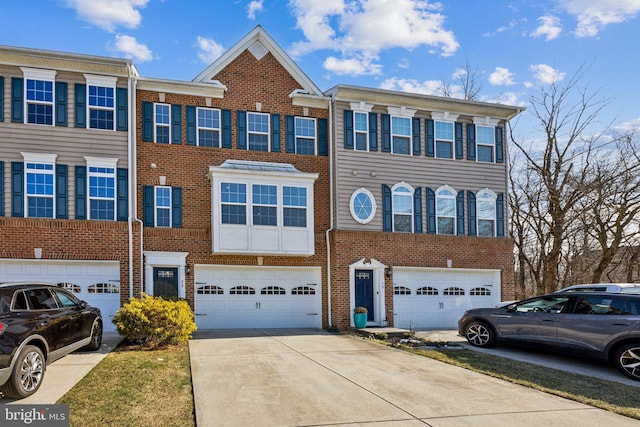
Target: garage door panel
[(283, 297)]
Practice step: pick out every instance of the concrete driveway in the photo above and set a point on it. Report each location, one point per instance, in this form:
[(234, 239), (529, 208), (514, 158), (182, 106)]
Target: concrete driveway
[(314, 378)]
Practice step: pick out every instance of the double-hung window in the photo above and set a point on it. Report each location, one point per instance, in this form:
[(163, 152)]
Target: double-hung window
[(402, 208), (40, 189), (208, 127), (258, 131), (265, 204), (486, 207), (305, 135), (101, 101), (162, 206), (233, 198), (361, 131), (102, 192), (162, 123), (444, 137), (446, 211), (39, 91), (400, 135), (485, 140), (294, 201)]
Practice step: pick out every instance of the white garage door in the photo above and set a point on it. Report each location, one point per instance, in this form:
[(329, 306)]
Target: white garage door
[(230, 297), (96, 282), (437, 298)]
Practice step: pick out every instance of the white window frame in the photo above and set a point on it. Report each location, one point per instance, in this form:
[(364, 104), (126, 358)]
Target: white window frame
[(440, 138), (106, 82), (397, 189), (486, 196), (163, 125), (306, 137), (254, 204), (156, 207), (199, 127), (42, 159), (403, 136), (267, 133), (102, 162), (355, 210), (490, 130), (452, 198), (364, 131), (39, 75), (246, 203)]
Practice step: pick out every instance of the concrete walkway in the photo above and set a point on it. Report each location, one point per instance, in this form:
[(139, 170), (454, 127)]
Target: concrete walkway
[(314, 378)]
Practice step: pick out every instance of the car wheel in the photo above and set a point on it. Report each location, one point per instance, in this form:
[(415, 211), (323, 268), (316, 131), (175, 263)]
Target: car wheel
[(628, 360), (96, 337), (27, 374), (479, 334)]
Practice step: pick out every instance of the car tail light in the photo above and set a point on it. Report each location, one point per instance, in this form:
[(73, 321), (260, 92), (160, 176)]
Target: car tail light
[(2, 328)]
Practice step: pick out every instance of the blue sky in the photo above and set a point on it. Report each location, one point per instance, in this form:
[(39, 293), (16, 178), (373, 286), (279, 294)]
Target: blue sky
[(412, 45)]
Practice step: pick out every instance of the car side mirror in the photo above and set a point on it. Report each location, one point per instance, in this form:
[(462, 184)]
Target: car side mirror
[(511, 308), (84, 304)]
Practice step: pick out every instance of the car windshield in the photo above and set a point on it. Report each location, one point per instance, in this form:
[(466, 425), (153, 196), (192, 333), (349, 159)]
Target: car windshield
[(545, 304)]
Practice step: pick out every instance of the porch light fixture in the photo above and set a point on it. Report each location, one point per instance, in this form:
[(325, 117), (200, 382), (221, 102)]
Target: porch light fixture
[(187, 269), (389, 272)]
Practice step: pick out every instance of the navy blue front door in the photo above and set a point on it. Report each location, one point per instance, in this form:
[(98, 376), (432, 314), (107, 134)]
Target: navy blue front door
[(364, 291), (165, 282)]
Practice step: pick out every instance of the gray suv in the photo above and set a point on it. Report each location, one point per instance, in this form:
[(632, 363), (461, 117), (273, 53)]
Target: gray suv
[(592, 324)]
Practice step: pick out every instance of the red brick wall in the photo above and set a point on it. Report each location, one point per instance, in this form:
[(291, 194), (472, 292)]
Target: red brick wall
[(248, 81), (412, 250), (71, 240)]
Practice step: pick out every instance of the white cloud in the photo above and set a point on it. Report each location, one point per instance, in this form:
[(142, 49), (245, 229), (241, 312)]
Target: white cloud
[(549, 28), (351, 66), (593, 16), (130, 47), (253, 7), (501, 77), (428, 87), (404, 63), (545, 74), (209, 49), (109, 14), (361, 29)]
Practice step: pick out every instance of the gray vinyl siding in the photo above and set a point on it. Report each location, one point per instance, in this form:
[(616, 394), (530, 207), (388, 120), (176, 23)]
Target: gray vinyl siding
[(390, 169), (71, 144)]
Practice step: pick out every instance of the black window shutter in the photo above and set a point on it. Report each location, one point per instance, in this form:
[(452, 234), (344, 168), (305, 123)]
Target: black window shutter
[(387, 213), (373, 132), (61, 104), (417, 146), (431, 211), (17, 189), (62, 192), (17, 100), (123, 194), (386, 133), (430, 143), (80, 93), (499, 145), (81, 192), (226, 129), (323, 144), (460, 213), (471, 143), (276, 144), (500, 215), (190, 112), (458, 140), (147, 121), (176, 207), (1, 99), (1, 188), (290, 138), (122, 108), (148, 206), (471, 207), (241, 131), (176, 124), (417, 210), (348, 130)]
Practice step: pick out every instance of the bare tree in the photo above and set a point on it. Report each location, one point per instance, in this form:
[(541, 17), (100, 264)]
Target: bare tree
[(467, 79), (556, 175)]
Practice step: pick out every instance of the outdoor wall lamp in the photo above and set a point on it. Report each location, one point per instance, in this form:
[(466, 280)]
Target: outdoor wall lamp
[(187, 269), (389, 271)]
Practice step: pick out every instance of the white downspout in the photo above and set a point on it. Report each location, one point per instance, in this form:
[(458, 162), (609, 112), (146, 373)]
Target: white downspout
[(133, 184), (130, 165), (327, 240)]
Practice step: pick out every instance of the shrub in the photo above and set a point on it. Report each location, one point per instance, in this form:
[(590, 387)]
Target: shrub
[(155, 321)]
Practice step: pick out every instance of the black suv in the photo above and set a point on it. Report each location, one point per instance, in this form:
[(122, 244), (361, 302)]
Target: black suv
[(40, 323), (593, 324)]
